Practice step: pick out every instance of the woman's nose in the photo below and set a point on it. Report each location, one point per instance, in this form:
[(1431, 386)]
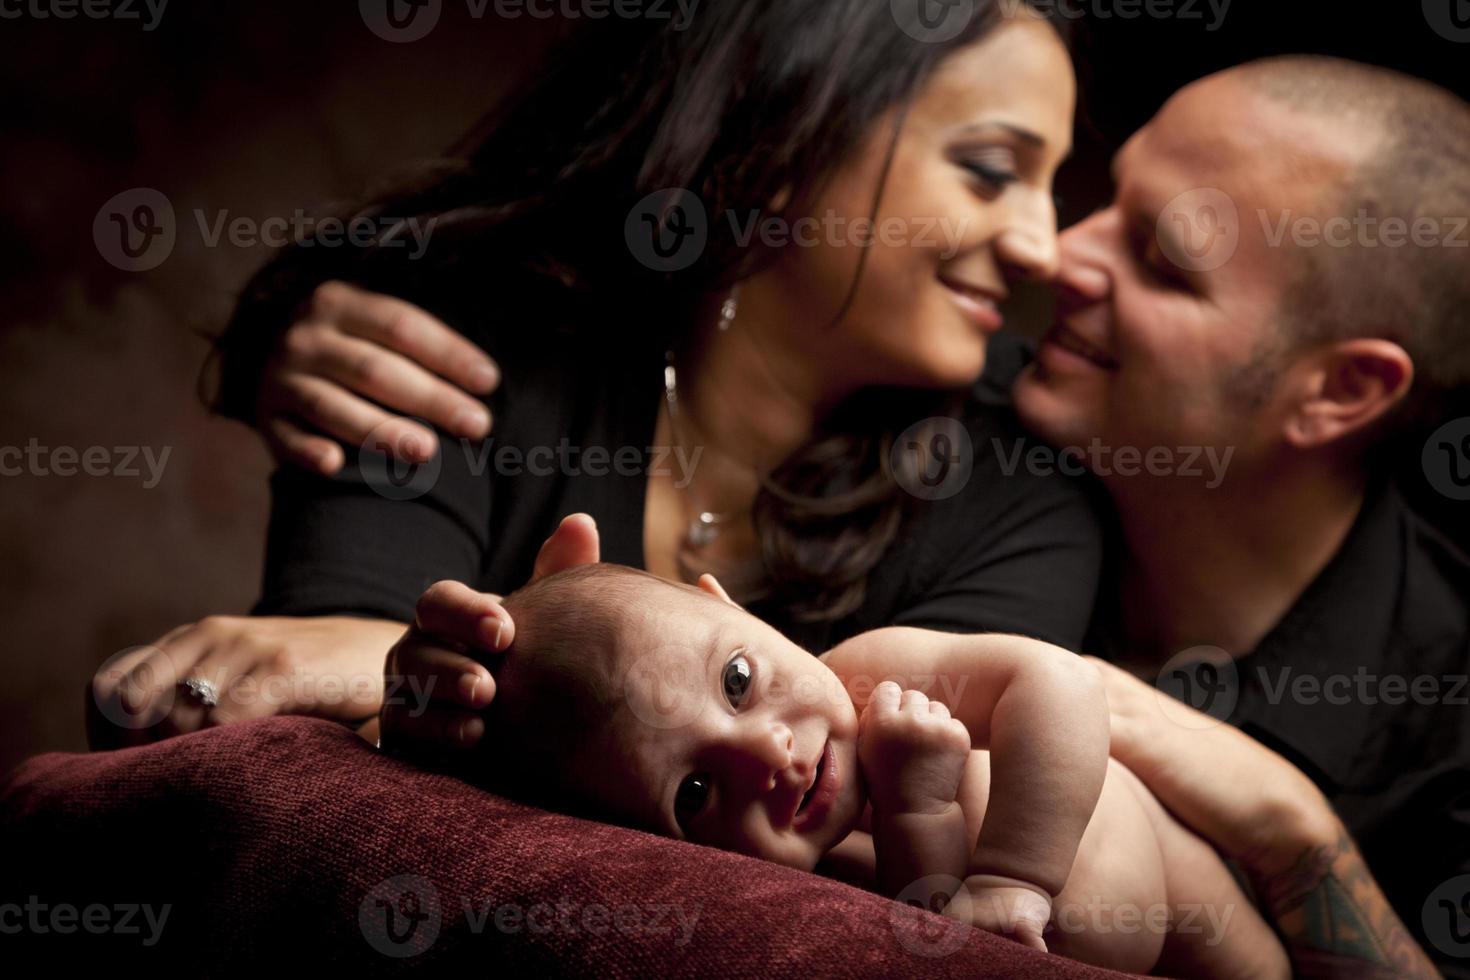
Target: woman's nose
[(1028, 246)]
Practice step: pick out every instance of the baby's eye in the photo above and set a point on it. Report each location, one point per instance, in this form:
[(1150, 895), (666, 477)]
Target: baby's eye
[(736, 679), (689, 801)]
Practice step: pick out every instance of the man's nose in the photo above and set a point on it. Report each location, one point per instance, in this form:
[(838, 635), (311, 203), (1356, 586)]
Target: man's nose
[(1083, 272)]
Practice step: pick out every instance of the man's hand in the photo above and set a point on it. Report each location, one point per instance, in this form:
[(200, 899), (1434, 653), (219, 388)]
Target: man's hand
[(913, 753), (1258, 808), (355, 361)]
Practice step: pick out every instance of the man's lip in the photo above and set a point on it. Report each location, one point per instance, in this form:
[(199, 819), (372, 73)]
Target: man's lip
[(1075, 344), (826, 782)]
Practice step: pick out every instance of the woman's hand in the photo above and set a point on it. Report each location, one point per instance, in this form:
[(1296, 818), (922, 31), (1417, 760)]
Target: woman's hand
[(435, 686), (254, 666), (354, 356), (1256, 807)]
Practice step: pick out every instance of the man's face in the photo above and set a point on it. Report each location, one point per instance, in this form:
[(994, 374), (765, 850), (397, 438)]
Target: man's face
[(1168, 299), (728, 735)]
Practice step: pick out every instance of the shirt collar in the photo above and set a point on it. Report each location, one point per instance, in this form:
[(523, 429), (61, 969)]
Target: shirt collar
[(1334, 639)]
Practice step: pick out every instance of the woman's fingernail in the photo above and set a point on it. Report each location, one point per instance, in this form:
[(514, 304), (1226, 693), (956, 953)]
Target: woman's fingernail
[(484, 377), (490, 627), (470, 731), (468, 685)]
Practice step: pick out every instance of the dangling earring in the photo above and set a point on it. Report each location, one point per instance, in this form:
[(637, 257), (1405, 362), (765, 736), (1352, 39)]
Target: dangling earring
[(730, 308)]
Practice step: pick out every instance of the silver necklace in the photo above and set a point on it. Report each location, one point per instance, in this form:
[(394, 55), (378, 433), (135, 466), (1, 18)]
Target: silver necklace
[(706, 525)]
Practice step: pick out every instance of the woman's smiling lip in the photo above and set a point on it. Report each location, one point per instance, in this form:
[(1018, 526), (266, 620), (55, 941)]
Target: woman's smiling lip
[(812, 810), (977, 304)]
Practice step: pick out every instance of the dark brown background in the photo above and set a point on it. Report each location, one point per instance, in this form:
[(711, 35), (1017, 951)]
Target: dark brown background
[(260, 109)]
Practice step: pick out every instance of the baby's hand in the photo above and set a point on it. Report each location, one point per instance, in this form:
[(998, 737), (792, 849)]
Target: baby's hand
[(1007, 907), (912, 752)]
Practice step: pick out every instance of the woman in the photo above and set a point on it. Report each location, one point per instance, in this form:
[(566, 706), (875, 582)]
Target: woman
[(799, 359)]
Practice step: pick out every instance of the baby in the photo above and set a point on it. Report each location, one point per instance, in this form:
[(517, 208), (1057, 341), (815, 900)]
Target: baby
[(901, 758)]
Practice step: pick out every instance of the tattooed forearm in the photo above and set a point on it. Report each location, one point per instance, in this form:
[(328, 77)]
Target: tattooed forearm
[(1335, 920)]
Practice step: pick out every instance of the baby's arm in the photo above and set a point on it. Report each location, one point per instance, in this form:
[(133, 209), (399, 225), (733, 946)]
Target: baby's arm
[(1041, 711), (913, 755)]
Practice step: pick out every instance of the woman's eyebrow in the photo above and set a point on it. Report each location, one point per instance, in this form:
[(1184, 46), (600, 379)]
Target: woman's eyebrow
[(1020, 133)]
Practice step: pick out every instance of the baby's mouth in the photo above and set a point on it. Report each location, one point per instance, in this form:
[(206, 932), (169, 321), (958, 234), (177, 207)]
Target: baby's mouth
[(816, 777)]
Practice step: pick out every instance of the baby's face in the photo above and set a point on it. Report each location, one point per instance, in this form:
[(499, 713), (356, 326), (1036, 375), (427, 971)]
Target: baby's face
[(726, 734)]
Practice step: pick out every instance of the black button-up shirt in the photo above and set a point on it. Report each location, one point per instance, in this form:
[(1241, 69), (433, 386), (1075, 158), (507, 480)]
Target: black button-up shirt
[(1365, 686)]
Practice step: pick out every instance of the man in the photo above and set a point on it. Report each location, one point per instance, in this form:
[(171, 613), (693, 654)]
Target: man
[(1246, 298)]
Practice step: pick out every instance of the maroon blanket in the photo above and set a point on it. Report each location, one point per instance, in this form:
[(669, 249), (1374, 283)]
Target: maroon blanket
[(264, 844)]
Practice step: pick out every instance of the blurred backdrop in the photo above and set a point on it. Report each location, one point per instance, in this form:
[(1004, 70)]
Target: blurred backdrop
[(259, 110)]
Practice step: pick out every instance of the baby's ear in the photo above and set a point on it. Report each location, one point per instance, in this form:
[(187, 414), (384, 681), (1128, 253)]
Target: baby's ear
[(712, 585)]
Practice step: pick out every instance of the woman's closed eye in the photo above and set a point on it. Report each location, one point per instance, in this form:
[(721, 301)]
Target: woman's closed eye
[(995, 169)]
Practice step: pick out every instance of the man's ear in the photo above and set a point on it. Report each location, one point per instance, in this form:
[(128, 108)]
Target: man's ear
[(710, 584), (1352, 385)]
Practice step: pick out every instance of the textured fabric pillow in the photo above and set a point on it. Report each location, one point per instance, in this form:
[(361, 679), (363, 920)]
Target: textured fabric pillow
[(290, 841)]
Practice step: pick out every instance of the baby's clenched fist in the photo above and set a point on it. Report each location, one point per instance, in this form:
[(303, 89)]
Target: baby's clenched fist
[(913, 753)]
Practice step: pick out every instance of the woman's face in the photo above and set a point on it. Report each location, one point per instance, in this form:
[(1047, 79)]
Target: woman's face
[(967, 206)]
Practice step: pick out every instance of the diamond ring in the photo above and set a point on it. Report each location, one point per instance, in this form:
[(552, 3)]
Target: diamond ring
[(204, 690)]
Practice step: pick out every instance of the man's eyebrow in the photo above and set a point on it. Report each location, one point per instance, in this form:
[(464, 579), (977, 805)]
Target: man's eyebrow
[(1024, 135)]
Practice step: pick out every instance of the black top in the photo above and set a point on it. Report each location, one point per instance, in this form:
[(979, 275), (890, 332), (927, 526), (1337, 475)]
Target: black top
[(1363, 685), (1011, 552)]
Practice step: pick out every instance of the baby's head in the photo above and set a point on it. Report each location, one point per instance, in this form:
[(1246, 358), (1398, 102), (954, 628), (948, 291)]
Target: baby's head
[(667, 707)]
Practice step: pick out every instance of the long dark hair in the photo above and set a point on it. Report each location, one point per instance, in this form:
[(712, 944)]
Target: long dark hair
[(749, 102)]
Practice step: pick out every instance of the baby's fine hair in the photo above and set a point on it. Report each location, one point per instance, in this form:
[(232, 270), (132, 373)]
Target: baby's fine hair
[(559, 683)]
